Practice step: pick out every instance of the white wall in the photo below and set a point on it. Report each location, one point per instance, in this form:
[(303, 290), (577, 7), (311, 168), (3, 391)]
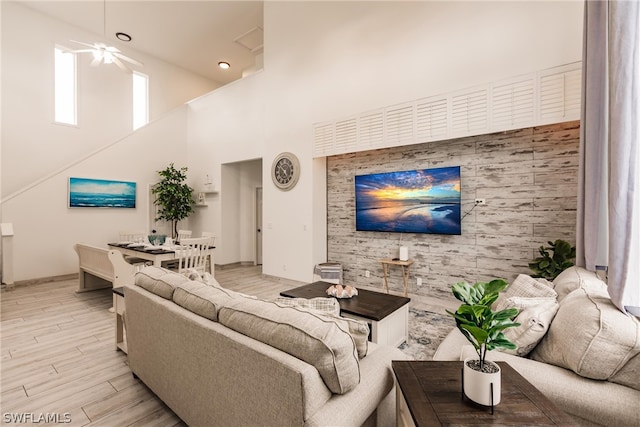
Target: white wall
[(36, 151), (325, 60), (32, 145), (46, 229)]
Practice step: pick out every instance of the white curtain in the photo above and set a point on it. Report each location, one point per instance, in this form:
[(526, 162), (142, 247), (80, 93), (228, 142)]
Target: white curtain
[(608, 234)]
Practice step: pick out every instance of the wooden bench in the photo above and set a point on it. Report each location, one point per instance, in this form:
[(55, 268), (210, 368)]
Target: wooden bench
[(102, 268)]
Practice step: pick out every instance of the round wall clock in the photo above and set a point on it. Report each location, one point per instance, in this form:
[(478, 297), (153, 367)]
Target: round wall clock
[(285, 171)]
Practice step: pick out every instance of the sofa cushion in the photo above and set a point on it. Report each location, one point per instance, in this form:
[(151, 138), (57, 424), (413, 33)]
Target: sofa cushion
[(534, 323), (326, 305), (159, 281), (321, 342), (590, 336), (577, 278), (202, 299), (359, 331), (330, 307), (629, 375)]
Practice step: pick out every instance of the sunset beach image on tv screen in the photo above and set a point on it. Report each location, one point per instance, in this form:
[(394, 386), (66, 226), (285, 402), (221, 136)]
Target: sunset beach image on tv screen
[(417, 201)]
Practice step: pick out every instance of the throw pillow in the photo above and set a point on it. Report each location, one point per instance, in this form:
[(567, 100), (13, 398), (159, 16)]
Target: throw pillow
[(325, 305), (577, 278), (534, 323), (590, 336), (520, 303), (525, 287)]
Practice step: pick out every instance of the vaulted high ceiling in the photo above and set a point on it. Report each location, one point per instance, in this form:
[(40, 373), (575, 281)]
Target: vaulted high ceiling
[(194, 35)]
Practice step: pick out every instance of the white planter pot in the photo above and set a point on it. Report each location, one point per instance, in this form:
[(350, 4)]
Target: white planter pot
[(477, 385)]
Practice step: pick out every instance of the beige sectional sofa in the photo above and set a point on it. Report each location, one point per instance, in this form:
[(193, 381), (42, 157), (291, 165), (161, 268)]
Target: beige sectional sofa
[(216, 357), (587, 360)]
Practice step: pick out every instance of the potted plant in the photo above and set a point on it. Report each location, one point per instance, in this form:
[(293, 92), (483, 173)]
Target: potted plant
[(547, 265), (173, 196), (484, 330)]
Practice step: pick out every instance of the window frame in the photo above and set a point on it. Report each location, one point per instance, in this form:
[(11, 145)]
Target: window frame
[(58, 119), (137, 124)]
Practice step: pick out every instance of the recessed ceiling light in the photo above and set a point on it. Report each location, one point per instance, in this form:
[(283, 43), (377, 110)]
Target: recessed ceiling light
[(124, 37), (224, 65)]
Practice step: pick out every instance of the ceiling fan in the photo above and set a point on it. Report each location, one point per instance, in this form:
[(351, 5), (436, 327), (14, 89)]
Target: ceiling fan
[(103, 54)]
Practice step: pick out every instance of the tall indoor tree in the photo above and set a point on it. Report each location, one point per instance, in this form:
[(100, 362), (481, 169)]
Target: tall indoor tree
[(173, 196)]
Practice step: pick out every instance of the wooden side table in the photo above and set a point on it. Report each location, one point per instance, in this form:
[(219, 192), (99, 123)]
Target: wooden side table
[(386, 262), (118, 305), (429, 393)]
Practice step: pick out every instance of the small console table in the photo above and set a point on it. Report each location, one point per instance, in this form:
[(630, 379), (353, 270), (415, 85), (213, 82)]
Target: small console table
[(386, 262), (118, 305)]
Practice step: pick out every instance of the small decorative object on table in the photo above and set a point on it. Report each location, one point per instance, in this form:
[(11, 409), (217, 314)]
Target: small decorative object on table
[(484, 329), (340, 291)]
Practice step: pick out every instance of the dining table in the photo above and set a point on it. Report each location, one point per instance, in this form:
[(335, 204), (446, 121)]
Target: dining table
[(156, 254)]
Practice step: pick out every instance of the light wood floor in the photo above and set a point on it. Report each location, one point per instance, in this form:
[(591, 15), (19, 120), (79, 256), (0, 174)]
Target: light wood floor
[(58, 356)]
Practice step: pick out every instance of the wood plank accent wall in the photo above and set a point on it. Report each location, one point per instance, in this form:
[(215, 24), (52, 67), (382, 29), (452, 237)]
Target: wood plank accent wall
[(529, 178)]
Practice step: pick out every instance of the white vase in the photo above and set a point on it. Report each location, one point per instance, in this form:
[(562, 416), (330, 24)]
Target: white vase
[(477, 385)]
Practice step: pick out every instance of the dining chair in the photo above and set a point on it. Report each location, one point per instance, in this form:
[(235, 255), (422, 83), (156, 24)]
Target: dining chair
[(134, 237), (211, 236), (184, 234), (192, 254), (212, 242)]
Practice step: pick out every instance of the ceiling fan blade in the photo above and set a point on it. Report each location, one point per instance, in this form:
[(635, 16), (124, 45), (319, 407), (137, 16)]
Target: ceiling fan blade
[(78, 51), (96, 62), (126, 58), (121, 65), (84, 44)]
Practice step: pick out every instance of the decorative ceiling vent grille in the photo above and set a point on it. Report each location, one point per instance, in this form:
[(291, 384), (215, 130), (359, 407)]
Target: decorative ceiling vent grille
[(371, 129), (400, 124), (431, 118), (560, 94), (323, 139), (513, 103), (346, 135), (548, 96), (469, 112)]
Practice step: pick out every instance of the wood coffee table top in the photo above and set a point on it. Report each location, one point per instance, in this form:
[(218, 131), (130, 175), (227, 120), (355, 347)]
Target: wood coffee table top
[(433, 394), (367, 304)]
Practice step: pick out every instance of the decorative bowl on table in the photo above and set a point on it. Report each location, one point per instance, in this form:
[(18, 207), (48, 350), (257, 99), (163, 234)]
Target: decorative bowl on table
[(157, 239), (340, 291)]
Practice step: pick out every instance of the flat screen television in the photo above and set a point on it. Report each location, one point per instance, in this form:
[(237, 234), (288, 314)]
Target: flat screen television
[(417, 201)]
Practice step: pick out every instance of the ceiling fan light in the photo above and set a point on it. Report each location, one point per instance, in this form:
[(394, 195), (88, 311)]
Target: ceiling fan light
[(97, 54), (108, 58), (224, 65)]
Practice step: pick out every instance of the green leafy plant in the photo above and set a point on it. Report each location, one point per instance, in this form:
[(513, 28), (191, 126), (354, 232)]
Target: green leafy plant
[(477, 322), (173, 196), (549, 265)]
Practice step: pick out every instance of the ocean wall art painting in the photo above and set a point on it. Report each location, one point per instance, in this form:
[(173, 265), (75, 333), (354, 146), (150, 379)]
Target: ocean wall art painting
[(417, 201), (100, 193)]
